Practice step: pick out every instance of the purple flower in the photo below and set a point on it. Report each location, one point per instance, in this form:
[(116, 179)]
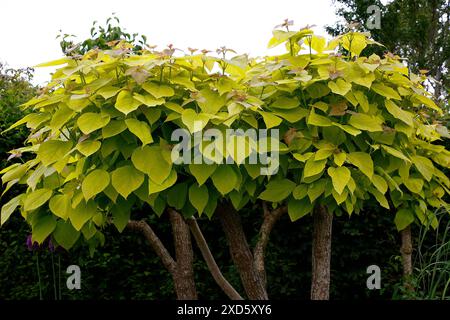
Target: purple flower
[(32, 245), (51, 246), (29, 243)]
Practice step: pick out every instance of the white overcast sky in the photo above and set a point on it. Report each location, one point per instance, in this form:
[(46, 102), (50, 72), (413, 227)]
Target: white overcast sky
[(28, 28)]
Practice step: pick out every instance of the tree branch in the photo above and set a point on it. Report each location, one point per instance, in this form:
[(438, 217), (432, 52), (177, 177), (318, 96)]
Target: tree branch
[(155, 243), (211, 262), (270, 218)]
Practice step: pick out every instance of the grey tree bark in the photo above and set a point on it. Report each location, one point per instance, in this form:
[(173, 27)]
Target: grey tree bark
[(181, 270), (406, 252), (321, 253), (241, 253)]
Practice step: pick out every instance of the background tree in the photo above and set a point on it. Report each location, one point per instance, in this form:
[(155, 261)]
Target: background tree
[(15, 89), (417, 30), (101, 37)]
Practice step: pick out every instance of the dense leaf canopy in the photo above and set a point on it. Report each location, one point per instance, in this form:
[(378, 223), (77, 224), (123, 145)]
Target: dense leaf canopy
[(352, 129)]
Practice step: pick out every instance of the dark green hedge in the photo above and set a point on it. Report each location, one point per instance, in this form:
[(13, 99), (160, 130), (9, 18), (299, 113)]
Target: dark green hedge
[(127, 268)]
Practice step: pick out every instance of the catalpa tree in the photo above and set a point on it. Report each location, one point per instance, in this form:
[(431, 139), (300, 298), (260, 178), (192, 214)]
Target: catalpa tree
[(338, 130)]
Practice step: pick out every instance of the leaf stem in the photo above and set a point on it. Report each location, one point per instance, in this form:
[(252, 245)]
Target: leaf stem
[(161, 75)]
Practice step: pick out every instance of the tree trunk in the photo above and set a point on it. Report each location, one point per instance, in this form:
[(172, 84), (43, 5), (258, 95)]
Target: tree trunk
[(406, 251), (181, 270), (270, 218), (183, 277), (240, 253), (321, 253)]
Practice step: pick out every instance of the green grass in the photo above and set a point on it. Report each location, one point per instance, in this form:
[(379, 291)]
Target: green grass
[(432, 261)]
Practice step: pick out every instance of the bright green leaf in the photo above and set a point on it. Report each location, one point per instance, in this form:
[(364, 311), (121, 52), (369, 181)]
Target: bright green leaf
[(318, 120), (114, 127), (90, 121), (313, 167), (366, 122), (379, 183), (316, 189), (277, 190), (202, 171), (199, 196), (53, 150), (385, 91), (9, 207), (194, 121), (82, 213), (414, 185), (126, 179), (340, 177), (126, 103), (224, 179), (340, 86), (380, 198), (61, 205), (88, 147), (140, 129), (300, 191), (36, 199), (94, 183), (424, 165), (151, 160), (394, 152), (403, 218), (148, 100), (270, 119), (285, 103), (210, 101), (154, 187), (399, 113), (363, 161), (158, 91)]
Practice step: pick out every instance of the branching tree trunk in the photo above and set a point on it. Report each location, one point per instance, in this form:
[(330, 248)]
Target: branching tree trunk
[(321, 253), (250, 266), (156, 244), (270, 218), (181, 270), (240, 252)]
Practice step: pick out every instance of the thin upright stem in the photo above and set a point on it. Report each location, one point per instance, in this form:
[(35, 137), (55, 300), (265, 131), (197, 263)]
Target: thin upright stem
[(54, 277), (39, 276), (59, 277)]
